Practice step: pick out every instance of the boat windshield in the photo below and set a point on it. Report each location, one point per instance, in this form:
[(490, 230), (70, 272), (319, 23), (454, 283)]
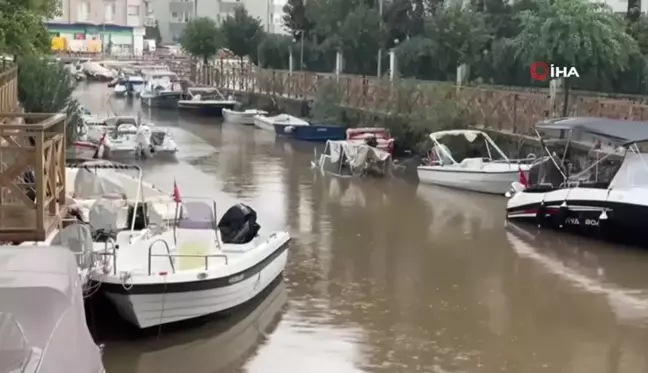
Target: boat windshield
[(633, 171)]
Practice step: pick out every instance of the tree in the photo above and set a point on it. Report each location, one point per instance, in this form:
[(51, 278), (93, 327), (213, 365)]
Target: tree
[(201, 38), (360, 37), (21, 27), (295, 19), (242, 33), (576, 33), (274, 51), (459, 35), (45, 86)]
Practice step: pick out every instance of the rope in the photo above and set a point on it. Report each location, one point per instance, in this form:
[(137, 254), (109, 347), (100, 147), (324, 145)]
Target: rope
[(162, 310), (124, 276)]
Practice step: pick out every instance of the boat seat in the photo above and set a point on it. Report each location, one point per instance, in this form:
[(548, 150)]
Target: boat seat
[(472, 163), (195, 242)]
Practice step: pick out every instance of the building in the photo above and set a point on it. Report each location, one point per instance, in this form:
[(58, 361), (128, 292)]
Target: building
[(115, 23), (173, 15), (621, 6)]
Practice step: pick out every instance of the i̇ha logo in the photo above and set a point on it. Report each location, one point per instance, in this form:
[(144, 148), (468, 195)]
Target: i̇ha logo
[(542, 70)]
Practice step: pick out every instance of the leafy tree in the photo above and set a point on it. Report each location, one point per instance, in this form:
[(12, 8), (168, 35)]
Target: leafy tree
[(274, 51), (360, 37), (459, 35), (576, 33), (242, 33), (21, 27), (201, 38), (398, 22), (295, 19), (45, 86)]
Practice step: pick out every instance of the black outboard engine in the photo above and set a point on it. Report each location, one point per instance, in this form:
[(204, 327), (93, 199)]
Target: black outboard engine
[(238, 224)]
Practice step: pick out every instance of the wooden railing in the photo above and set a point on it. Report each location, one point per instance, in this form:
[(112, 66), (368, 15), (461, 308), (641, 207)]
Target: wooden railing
[(32, 175), (8, 88), (500, 109)]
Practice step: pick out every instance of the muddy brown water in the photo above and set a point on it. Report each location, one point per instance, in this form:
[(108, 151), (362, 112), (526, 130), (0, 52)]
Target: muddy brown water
[(388, 276)]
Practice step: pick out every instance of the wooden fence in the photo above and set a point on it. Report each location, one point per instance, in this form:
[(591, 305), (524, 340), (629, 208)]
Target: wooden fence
[(504, 110), (8, 88)]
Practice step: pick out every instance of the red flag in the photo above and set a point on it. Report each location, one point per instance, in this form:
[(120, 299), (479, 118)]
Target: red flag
[(523, 179), (176, 193)]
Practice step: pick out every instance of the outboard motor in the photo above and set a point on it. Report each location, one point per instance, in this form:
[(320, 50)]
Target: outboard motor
[(238, 224)]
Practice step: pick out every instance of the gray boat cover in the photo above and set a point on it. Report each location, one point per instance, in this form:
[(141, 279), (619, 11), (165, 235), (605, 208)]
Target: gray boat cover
[(42, 319), (626, 131)]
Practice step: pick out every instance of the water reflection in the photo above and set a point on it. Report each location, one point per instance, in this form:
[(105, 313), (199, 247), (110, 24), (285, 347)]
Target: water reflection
[(385, 276), (219, 346), (619, 275)]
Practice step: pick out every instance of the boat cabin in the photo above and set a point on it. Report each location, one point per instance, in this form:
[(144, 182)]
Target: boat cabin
[(614, 145)]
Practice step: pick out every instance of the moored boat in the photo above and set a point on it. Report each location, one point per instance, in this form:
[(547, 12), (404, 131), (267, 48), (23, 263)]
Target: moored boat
[(381, 136), (607, 199), (282, 120), (491, 172), (351, 158), (203, 103), (42, 320), (242, 117), (161, 90)]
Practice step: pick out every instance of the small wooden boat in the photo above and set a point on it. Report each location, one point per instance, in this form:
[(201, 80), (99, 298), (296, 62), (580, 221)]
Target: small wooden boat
[(242, 117), (318, 132), (283, 120)]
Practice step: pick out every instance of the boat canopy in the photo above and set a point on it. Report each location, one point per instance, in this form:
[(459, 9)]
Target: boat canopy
[(625, 131), (357, 154), (42, 319), (632, 173)]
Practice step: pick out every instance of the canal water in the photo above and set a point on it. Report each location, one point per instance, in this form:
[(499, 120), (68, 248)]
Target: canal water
[(386, 275)]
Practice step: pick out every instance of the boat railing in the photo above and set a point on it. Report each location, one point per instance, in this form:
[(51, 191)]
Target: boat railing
[(174, 256), (168, 254), (109, 251)]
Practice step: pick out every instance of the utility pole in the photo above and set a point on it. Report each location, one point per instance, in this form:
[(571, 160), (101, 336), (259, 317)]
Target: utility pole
[(380, 11)]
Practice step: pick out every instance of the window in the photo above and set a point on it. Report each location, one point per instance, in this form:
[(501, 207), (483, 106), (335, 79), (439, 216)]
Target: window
[(133, 10), (84, 11), (109, 11)]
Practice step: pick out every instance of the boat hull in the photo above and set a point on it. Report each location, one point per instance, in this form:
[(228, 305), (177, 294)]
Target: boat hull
[(319, 133), (473, 180), (165, 101), (147, 308), (580, 210), (239, 117), (263, 124), (283, 129), (204, 109)]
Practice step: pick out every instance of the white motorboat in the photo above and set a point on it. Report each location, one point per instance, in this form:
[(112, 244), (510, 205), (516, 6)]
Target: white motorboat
[(491, 173), (125, 136), (132, 85), (200, 104), (351, 158), (129, 140), (161, 90), (42, 319), (242, 117), (268, 123), (608, 198), (172, 269)]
